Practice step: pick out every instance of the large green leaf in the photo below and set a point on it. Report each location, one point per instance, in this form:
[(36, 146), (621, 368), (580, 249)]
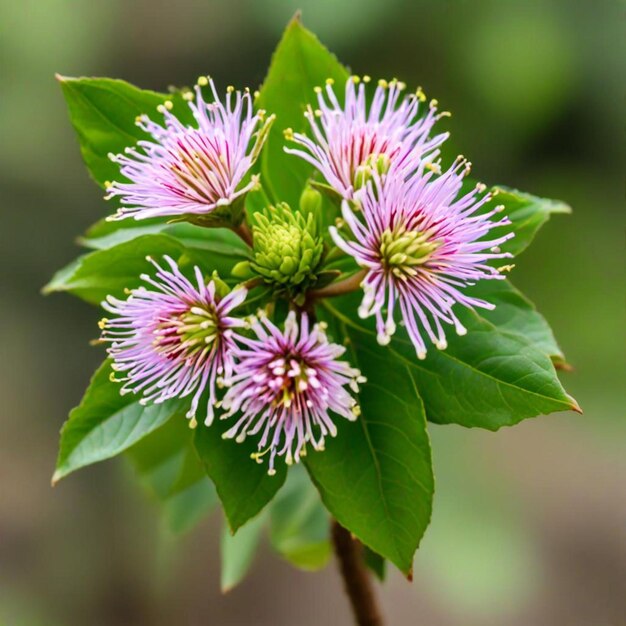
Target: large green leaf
[(243, 486), (107, 423), (516, 314), (489, 378), (112, 270), (527, 213), (237, 551), (104, 234), (103, 112), (299, 64), (168, 466), (375, 476), (299, 524)]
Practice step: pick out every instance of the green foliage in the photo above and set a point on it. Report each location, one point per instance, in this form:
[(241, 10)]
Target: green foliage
[(375, 477), (106, 423), (299, 523), (527, 213), (300, 63), (103, 112), (244, 487), (112, 270), (237, 551), (168, 467)]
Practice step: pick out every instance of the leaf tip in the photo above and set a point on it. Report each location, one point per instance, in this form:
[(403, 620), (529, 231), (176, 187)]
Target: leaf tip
[(56, 477), (409, 575), (574, 406), (296, 19)]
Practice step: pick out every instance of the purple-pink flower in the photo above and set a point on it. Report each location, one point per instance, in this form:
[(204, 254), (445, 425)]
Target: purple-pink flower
[(191, 170), (287, 386), (421, 245), (350, 140), (174, 338)]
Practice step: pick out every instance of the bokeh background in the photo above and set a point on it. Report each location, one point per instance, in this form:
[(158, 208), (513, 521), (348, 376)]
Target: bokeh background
[(529, 523)]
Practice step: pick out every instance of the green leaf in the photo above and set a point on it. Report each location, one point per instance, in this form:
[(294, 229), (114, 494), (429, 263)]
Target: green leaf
[(112, 270), (299, 64), (103, 113), (167, 465), (375, 563), (243, 486), (375, 476), (516, 314), (104, 234), (527, 213), (107, 423), (299, 524), (237, 552), (488, 378)]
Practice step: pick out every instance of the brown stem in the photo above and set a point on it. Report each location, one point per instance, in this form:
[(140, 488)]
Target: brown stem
[(356, 578), (243, 230), (352, 283)]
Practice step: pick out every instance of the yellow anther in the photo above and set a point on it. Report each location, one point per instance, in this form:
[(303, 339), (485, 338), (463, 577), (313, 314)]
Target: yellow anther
[(102, 323), (356, 79), (256, 94), (420, 95), (288, 134), (169, 105), (203, 81), (318, 113), (330, 81), (161, 108), (317, 89), (193, 423), (230, 89), (366, 78), (506, 268), (383, 83), (188, 96)]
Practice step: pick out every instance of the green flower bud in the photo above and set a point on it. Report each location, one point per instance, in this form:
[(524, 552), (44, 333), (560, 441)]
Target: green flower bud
[(287, 249), (310, 201)]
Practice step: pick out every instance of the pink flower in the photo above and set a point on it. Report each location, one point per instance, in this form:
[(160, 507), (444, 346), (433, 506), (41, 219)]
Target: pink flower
[(191, 170), (350, 140), (287, 386), (173, 339), (421, 246)]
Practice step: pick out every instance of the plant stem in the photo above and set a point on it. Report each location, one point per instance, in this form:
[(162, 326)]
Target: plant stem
[(243, 230), (356, 578), (352, 283)]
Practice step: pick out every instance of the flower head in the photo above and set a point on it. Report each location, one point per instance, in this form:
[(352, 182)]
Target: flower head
[(191, 170), (286, 387), (352, 141), (422, 245), (174, 338)]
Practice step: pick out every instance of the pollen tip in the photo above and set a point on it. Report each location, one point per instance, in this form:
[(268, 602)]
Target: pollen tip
[(202, 81)]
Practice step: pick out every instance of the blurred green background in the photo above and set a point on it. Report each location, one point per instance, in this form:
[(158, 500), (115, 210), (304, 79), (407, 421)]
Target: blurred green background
[(529, 522)]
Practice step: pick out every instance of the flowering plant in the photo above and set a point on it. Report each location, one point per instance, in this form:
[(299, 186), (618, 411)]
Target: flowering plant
[(308, 276)]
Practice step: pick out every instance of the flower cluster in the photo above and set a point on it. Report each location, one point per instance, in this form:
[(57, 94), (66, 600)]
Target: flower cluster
[(419, 239)]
